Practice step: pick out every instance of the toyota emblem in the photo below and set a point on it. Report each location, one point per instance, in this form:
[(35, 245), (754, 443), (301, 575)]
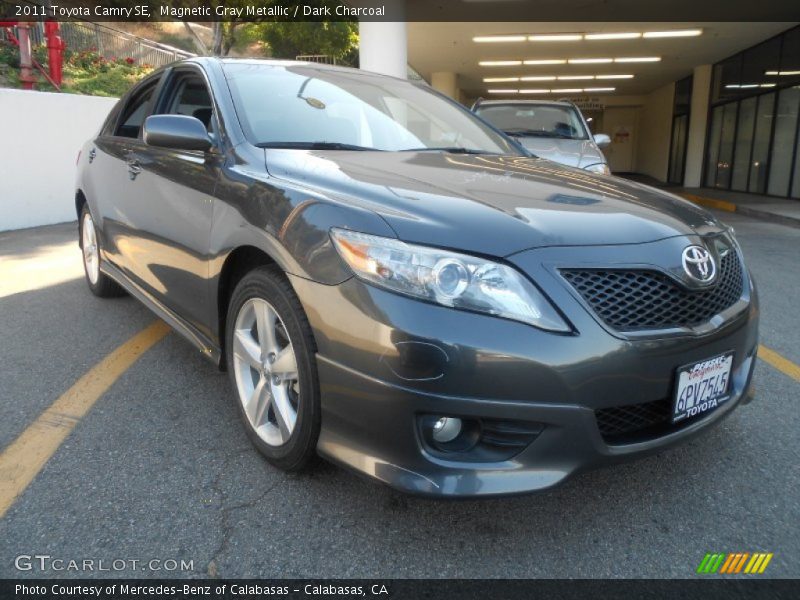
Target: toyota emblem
[(699, 264)]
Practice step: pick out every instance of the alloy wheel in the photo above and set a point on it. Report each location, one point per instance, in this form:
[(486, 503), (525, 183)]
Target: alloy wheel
[(265, 369), (91, 256)]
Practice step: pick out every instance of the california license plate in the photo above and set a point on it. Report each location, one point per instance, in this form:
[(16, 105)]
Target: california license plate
[(702, 387)]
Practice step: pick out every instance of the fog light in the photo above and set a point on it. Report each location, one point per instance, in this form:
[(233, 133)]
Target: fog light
[(446, 429)]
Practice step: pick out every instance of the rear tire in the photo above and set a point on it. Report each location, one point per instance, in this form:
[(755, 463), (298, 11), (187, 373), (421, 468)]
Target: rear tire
[(100, 284), (271, 359)]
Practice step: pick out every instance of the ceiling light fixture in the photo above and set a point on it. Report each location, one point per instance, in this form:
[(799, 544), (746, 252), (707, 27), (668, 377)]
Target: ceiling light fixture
[(489, 39), (558, 37), (551, 91), (637, 59), (673, 33), (612, 36), (500, 63), (553, 77), (549, 61), (781, 73), (589, 61)]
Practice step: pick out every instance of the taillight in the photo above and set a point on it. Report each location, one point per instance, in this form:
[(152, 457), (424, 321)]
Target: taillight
[(78, 160)]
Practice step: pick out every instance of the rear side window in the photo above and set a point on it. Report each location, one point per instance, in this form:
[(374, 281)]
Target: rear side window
[(134, 113)]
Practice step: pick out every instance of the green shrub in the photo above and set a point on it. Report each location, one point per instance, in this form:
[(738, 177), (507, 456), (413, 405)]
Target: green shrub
[(84, 72)]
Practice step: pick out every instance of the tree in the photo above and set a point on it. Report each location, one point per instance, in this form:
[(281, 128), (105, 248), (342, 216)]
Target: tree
[(337, 39)]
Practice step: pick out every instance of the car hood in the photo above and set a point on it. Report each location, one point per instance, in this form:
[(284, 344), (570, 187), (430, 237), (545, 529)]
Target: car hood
[(575, 153), (489, 204)]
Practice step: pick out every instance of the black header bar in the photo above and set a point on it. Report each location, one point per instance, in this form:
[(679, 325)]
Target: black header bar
[(398, 10)]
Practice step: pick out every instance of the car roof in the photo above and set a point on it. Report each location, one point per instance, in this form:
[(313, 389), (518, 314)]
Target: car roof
[(540, 102), (277, 62)]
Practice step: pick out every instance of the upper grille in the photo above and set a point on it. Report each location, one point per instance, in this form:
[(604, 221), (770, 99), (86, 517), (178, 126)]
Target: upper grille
[(630, 300)]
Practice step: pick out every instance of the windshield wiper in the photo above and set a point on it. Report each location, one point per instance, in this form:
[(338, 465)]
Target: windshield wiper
[(450, 149), (539, 133), (518, 132), (315, 146)]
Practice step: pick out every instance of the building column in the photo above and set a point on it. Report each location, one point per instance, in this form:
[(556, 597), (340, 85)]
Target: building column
[(698, 123), (383, 48), (445, 82)]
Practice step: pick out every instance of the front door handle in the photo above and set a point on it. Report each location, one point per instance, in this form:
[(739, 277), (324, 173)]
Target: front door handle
[(134, 168)]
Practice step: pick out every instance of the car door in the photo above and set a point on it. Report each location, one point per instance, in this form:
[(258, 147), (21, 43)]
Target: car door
[(112, 179), (174, 202)]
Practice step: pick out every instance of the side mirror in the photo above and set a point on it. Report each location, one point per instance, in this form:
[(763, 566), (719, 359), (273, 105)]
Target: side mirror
[(602, 140), (176, 131)]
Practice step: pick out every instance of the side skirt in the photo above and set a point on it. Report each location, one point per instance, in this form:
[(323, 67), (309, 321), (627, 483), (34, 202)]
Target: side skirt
[(208, 349)]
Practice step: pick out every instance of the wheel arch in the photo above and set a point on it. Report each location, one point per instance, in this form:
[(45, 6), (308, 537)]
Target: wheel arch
[(237, 264), (80, 202)]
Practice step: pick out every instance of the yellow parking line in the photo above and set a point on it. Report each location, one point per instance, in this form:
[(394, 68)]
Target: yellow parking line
[(784, 365), (710, 202), (24, 458)]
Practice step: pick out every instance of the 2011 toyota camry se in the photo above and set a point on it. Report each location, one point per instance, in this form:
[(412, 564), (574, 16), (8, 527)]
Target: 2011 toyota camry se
[(394, 284)]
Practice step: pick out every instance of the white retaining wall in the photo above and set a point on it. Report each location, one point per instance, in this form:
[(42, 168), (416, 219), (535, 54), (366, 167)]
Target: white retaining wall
[(40, 136)]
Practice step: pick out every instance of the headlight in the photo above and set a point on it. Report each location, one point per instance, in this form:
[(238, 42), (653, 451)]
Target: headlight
[(446, 278), (601, 168)]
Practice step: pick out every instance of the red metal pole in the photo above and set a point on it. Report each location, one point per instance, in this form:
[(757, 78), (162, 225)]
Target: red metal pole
[(26, 76), (55, 51)]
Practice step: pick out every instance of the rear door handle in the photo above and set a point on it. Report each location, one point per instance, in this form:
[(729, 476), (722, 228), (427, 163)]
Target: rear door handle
[(92, 154)]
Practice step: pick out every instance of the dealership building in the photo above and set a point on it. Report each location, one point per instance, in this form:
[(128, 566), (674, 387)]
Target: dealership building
[(695, 104)]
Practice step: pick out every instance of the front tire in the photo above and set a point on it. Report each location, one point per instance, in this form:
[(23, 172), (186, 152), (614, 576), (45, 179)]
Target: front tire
[(100, 284), (271, 361)]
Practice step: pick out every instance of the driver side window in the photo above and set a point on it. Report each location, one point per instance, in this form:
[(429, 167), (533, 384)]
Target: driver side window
[(189, 96)]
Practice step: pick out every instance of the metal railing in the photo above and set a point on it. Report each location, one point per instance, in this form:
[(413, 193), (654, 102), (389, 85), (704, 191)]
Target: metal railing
[(110, 43)]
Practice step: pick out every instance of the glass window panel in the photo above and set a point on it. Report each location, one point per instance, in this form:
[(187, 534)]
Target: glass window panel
[(744, 141), (677, 152), (760, 157), (727, 74), (757, 61), (713, 146), (726, 146), (796, 177), (783, 144), (790, 58), (683, 96)]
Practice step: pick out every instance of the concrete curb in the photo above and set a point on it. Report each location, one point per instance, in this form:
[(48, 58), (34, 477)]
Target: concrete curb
[(742, 210)]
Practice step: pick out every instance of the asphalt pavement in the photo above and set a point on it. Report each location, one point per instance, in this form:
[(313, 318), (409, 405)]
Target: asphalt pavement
[(160, 468)]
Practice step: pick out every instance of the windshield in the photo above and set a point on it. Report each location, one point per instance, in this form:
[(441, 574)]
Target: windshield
[(301, 106), (538, 120)]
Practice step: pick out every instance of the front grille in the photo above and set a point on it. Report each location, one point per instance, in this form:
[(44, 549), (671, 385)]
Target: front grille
[(630, 300), (620, 424)]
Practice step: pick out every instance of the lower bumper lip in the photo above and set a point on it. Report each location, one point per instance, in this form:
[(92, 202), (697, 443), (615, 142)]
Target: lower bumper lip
[(569, 443), (384, 360)]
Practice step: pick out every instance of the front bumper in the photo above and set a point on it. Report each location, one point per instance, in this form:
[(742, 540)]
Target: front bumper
[(384, 360)]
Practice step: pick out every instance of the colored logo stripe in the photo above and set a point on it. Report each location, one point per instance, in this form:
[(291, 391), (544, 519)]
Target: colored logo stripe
[(735, 562)]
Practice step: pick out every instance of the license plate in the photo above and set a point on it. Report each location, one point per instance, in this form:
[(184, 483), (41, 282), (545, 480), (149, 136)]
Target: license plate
[(702, 386)]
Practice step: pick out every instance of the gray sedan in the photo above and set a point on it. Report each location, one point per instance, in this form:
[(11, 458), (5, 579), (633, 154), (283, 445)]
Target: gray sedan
[(404, 290), (555, 130)]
